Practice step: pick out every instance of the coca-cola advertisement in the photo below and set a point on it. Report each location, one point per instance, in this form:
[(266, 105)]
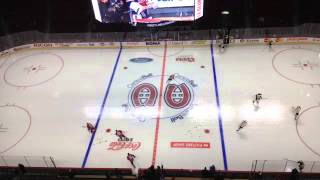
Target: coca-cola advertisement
[(123, 142), (124, 145)]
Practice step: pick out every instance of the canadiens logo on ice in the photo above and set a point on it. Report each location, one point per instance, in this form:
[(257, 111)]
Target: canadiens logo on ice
[(144, 96)]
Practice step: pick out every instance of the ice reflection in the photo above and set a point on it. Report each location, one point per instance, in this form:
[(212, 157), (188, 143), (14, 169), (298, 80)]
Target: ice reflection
[(272, 112)]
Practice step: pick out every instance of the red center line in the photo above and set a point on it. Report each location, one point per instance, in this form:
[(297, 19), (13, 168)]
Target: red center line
[(155, 145)]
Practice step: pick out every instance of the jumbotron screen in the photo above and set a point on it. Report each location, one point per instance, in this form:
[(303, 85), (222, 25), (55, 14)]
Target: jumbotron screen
[(147, 11)]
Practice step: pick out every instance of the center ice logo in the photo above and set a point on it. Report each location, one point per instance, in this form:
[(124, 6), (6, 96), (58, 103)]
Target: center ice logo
[(144, 96), (177, 96)]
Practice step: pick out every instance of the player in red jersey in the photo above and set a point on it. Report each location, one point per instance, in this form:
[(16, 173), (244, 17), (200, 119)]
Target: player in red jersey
[(121, 135), (130, 158), (90, 127), (170, 78)]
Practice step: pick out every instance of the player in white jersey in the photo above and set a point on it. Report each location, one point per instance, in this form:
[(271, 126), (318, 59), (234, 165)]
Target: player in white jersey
[(297, 112), (242, 125), (257, 99), (137, 7)]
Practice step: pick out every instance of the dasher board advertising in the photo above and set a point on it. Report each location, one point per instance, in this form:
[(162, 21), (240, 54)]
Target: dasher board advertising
[(147, 11)]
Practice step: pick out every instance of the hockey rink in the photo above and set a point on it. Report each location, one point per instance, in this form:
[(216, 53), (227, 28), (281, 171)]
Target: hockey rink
[(178, 106)]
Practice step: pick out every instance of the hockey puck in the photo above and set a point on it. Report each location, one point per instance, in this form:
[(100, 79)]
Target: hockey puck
[(207, 131), (108, 130)]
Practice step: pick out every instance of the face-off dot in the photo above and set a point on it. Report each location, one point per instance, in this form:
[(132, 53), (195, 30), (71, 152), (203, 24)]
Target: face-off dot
[(298, 65), (33, 70)]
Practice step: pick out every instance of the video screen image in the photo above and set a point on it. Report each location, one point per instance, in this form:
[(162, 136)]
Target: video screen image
[(147, 11)]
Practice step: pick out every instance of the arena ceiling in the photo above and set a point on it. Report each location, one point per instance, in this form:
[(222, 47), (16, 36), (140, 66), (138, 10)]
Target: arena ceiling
[(71, 16)]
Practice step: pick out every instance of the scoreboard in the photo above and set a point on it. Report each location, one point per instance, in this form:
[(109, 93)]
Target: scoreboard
[(175, 3), (147, 11)]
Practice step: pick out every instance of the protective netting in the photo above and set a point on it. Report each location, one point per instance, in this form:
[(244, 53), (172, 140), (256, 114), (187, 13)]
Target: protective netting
[(27, 161)]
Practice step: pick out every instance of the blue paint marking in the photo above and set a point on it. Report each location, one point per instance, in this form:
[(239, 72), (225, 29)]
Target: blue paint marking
[(102, 108), (225, 162)]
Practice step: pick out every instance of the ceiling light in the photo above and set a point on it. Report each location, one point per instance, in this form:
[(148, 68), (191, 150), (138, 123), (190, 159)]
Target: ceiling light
[(225, 12)]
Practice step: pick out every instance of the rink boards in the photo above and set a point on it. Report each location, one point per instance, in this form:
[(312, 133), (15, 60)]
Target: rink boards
[(179, 105)]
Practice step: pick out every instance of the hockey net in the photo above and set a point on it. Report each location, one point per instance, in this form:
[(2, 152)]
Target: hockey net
[(283, 166), (27, 161)]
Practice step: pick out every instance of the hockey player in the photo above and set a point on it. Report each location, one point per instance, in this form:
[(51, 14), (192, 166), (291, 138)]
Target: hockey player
[(90, 127), (130, 158), (297, 112), (270, 43), (120, 135), (226, 38), (138, 8), (171, 77), (221, 45), (257, 99), (300, 165), (242, 125)]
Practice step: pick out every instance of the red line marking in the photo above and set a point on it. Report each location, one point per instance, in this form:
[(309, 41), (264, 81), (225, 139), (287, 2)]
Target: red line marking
[(155, 145), (168, 55)]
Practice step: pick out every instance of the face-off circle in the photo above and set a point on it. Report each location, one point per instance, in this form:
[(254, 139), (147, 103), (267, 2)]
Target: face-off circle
[(33, 70), (3, 62), (307, 127), (15, 123), (298, 65)]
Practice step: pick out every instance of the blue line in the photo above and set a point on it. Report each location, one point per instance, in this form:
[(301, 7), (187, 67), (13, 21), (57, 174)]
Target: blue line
[(102, 108), (219, 109)]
